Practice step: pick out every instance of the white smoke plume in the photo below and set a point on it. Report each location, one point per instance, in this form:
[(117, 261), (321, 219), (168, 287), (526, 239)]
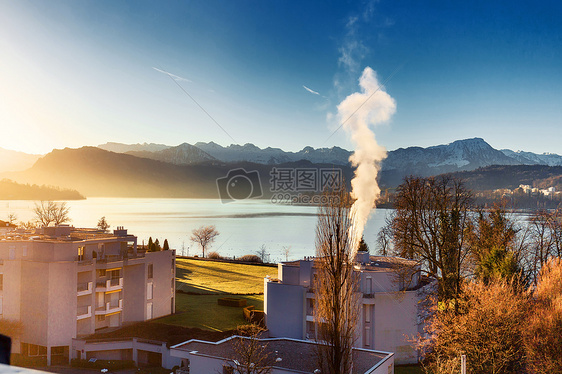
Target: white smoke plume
[(358, 112)]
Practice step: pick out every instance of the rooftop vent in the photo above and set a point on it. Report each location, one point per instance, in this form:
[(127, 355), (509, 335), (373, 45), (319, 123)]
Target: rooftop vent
[(120, 231)]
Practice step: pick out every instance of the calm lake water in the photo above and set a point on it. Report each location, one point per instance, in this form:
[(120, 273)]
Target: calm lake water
[(243, 225)]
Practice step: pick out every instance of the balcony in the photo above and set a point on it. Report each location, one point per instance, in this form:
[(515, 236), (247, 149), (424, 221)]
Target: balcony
[(83, 312), (85, 288), (110, 307), (104, 285)]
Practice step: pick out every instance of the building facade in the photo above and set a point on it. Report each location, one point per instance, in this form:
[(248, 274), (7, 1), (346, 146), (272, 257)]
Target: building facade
[(390, 303), (60, 283)]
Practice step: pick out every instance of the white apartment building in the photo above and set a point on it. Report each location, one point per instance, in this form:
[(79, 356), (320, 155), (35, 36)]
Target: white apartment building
[(61, 283), (390, 304)]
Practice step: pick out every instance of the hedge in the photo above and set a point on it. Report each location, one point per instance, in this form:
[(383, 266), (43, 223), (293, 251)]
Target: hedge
[(231, 301), (252, 315)]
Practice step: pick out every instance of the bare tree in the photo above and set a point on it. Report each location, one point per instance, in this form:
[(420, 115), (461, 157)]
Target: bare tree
[(384, 239), (336, 303), (251, 356), (204, 236), (12, 218), (429, 226), (262, 253), (286, 252), (102, 224), (48, 212)]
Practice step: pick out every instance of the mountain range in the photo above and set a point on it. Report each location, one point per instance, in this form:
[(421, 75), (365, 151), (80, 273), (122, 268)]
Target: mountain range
[(190, 170)]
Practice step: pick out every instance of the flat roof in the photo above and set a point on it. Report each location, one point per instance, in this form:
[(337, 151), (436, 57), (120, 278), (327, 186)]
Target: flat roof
[(298, 355), (382, 263), (76, 235)]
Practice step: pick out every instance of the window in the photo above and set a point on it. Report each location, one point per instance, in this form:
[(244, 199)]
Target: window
[(12, 252), (150, 271), (149, 291), (36, 350), (149, 311), (114, 274), (80, 253), (369, 285), (367, 336), (367, 312)]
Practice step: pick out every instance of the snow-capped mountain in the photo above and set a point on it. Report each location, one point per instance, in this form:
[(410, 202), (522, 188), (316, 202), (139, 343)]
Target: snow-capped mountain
[(250, 153), (468, 154), (124, 148), (529, 158), (460, 155)]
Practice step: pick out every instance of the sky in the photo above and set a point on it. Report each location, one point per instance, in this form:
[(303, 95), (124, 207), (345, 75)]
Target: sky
[(272, 73)]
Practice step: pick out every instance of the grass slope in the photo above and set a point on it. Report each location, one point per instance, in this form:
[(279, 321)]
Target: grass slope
[(202, 282), (212, 277)]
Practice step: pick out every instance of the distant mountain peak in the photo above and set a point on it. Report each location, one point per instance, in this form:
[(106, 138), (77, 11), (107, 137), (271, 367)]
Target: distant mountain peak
[(138, 147)]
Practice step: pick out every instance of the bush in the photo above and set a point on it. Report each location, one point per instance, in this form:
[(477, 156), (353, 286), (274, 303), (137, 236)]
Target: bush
[(486, 323), (252, 315), (543, 340), (250, 258), (231, 301), (214, 256)]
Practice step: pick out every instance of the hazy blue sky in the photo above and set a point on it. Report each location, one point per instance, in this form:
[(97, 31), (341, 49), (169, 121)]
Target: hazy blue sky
[(76, 73)]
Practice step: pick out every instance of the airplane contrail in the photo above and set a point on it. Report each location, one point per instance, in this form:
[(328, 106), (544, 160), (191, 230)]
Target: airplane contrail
[(193, 99), (175, 77), (311, 91)]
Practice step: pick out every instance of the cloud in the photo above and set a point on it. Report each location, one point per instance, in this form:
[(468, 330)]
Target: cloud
[(311, 91), (173, 76)]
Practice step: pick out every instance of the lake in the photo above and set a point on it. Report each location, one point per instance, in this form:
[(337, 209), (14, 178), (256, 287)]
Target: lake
[(244, 225)]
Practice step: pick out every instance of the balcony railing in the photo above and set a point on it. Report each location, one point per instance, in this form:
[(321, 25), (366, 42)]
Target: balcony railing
[(84, 288), (110, 307), (109, 284), (83, 312)]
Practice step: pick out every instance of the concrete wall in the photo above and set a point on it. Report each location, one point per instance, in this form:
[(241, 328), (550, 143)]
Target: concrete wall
[(130, 349), (385, 367), (288, 274), (34, 302), (11, 295), (395, 321), (134, 291), (164, 275), (381, 281), (285, 310), (61, 303)]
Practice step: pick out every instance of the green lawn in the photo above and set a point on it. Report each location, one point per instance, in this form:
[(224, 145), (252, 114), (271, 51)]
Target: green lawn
[(206, 281), (211, 277), (202, 311)]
